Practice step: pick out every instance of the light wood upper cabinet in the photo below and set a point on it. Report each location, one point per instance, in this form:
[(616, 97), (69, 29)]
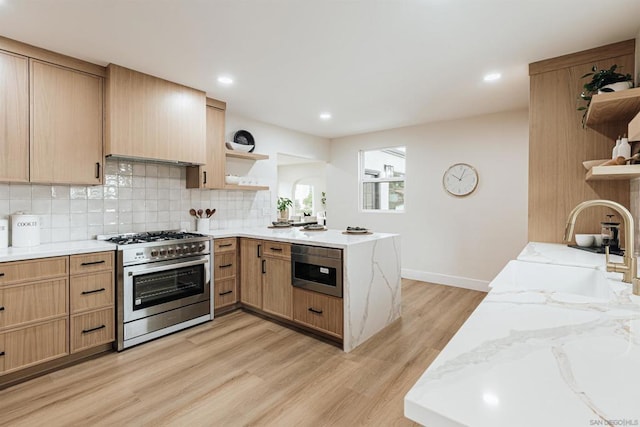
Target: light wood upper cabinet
[(151, 118), (14, 117), (211, 174), (66, 125)]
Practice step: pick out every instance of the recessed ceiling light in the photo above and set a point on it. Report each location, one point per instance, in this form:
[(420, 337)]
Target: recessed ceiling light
[(492, 77), (225, 80), (325, 116)]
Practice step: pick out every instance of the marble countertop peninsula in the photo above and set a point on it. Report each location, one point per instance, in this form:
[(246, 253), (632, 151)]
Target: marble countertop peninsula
[(328, 238), (532, 357)]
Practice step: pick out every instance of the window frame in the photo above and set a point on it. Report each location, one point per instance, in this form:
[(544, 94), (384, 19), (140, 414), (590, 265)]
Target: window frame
[(362, 179)]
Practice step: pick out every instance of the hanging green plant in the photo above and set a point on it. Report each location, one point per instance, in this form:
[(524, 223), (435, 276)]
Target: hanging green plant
[(600, 80)]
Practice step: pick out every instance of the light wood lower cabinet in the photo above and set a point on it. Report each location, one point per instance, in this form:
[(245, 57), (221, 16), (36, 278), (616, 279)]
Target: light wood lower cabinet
[(31, 345), (318, 311), (225, 273), (52, 307), (32, 302), (265, 279), (92, 329)]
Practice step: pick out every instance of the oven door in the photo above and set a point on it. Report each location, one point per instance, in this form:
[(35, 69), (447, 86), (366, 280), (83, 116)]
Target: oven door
[(160, 286)]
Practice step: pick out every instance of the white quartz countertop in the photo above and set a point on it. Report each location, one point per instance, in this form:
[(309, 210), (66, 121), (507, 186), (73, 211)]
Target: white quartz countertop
[(329, 238), (55, 249), (533, 357)]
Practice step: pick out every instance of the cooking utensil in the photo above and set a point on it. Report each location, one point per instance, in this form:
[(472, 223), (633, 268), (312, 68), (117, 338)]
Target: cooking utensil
[(208, 212), (200, 212), (193, 212)]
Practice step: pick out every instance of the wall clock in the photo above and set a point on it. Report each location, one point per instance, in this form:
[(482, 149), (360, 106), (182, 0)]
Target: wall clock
[(460, 179)]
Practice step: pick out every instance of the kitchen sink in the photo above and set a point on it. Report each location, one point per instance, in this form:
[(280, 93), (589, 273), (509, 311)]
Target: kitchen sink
[(521, 275)]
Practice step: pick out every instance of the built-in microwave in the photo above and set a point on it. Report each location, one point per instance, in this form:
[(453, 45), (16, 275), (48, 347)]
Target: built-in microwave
[(317, 269)]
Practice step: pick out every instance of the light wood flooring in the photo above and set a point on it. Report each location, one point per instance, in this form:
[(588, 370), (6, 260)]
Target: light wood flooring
[(244, 370)]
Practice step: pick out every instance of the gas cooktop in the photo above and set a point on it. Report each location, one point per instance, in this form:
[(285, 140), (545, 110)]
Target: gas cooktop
[(151, 236)]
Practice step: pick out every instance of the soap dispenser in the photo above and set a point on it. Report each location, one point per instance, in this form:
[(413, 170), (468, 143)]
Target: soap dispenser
[(624, 149), (614, 152)]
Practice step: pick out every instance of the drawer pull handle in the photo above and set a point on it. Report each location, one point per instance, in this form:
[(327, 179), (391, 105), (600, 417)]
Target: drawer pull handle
[(264, 266), (225, 293), (313, 310), (93, 262), (93, 291), (1, 353), (204, 174), (276, 249), (97, 328), (226, 245), (2, 308), (1, 274), (226, 266)]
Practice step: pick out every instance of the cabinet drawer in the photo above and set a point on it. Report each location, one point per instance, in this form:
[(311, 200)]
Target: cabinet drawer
[(34, 344), (225, 292), (88, 263), (224, 265), (91, 291), (32, 302), (276, 249), (319, 311), (92, 329), (33, 270), (224, 245)]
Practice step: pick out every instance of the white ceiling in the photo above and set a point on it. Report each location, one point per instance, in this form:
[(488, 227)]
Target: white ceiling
[(374, 64)]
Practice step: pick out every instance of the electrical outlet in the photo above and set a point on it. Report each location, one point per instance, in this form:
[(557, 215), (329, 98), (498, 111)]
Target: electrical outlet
[(266, 212)]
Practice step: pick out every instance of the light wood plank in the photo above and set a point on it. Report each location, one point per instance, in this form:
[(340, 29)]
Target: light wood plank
[(245, 156), (250, 272), (621, 172), (244, 370), (277, 292)]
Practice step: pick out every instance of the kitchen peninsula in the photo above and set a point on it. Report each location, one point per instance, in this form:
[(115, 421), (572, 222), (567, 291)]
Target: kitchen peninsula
[(372, 284)]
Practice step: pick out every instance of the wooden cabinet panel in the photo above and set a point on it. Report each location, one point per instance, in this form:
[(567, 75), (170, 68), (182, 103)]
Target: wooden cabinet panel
[(224, 245), (14, 117), (251, 272), (91, 291), (66, 125), (32, 302), (35, 344), (318, 311), (151, 118), (87, 263), (92, 329), (2, 353), (211, 174), (224, 265), (277, 295), (33, 270), (225, 293), (277, 249)]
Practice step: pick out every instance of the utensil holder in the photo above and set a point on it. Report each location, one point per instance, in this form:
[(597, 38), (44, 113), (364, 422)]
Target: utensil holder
[(202, 225)]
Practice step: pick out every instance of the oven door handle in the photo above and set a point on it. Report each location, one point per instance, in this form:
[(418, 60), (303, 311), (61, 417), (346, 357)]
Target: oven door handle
[(167, 267)]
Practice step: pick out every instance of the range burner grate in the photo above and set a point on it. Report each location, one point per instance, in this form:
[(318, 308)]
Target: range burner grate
[(151, 236)]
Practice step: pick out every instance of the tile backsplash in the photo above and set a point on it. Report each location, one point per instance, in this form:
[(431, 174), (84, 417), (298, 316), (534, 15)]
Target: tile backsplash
[(135, 197)]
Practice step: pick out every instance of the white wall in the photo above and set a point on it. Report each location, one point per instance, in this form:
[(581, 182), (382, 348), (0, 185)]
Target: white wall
[(311, 173), (271, 140), (456, 241)]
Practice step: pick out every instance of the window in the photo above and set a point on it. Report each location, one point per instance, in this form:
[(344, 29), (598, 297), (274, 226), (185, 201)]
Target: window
[(382, 177), (303, 199)]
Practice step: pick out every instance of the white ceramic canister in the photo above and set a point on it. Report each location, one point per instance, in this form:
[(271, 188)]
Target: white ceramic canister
[(25, 230), (202, 225), (4, 233)]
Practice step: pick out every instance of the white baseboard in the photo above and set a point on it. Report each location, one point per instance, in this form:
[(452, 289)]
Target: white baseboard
[(444, 279)]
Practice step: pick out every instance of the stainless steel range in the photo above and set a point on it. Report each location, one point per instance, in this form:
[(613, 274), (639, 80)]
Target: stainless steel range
[(163, 284)]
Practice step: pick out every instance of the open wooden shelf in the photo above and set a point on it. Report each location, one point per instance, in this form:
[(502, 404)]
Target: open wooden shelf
[(246, 156), (599, 173), (245, 187), (613, 107)]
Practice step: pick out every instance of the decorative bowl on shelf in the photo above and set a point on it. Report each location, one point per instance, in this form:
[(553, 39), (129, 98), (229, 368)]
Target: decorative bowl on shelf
[(585, 240), (232, 179), (239, 147)]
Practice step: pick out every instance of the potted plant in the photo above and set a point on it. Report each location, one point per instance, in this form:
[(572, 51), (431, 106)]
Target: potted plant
[(283, 208), (602, 81)]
